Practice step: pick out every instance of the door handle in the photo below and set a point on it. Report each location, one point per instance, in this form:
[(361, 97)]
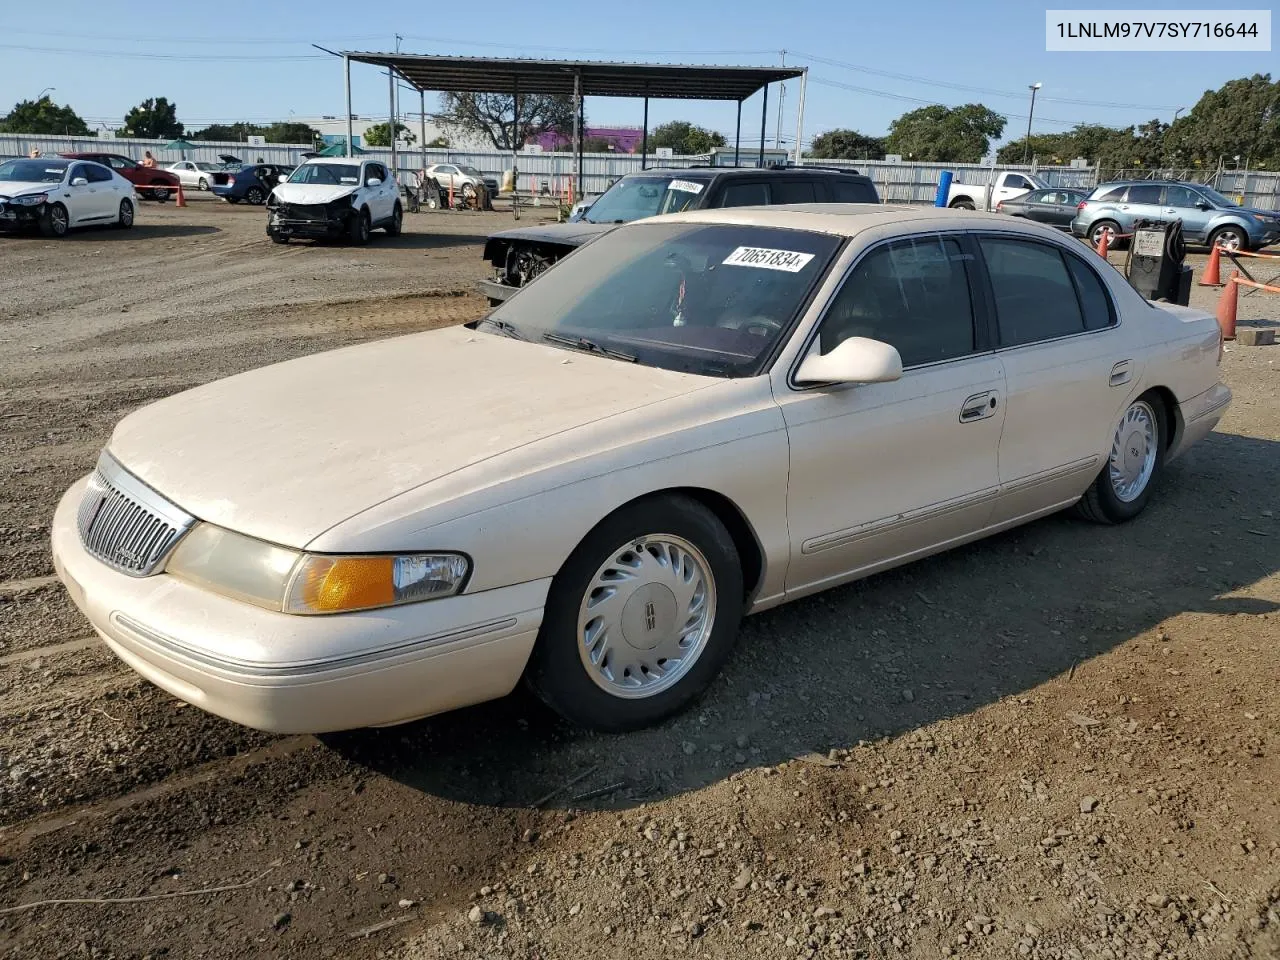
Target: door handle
[(978, 407), (1120, 373)]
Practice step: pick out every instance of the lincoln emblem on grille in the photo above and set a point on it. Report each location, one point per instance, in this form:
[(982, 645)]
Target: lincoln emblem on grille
[(650, 616)]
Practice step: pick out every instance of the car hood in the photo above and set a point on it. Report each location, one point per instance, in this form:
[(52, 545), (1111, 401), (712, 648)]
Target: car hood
[(570, 234), (288, 451), (313, 192), (16, 188)]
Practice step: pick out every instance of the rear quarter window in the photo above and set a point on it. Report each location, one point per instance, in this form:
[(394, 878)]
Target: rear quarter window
[(1115, 193), (852, 191)]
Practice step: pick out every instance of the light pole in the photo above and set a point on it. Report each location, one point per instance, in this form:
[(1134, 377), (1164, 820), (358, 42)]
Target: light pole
[(1026, 151), (1176, 112), (43, 92)]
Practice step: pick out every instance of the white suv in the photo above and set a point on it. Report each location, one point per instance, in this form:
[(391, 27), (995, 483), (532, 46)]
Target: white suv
[(335, 197)]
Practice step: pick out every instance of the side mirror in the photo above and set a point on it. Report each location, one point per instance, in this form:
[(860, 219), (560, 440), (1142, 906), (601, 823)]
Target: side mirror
[(79, 182), (1203, 205), (855, 360), (373, 182)]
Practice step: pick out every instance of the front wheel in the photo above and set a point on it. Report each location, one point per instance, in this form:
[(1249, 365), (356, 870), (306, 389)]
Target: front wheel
[(1121, 490), (55, 222), (396, 224), (1230, 238), (279, 238), (359, 228), (640, 618), (160, 196)]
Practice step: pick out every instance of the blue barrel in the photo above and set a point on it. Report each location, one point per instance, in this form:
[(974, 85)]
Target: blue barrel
[(944, 188)]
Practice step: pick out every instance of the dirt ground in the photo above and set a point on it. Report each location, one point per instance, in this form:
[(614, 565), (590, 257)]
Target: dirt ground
[(1063, 742)]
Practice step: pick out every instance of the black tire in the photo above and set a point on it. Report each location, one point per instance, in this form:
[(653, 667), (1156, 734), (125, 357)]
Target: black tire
[(358, 228), (255, 196), (963, 204), (1101, 503), (160, 196), (396, 223), (1096, 230), (55, 222), (203, 184), (231, 199), (280, 238), (556, 673), (1230, 238), (433, 200), (124, 219)]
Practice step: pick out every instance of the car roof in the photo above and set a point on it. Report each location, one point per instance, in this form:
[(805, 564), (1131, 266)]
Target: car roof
[(710, 173), (851, 219)]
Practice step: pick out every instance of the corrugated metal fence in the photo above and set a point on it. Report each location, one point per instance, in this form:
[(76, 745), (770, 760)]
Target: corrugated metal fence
[(896, 182)]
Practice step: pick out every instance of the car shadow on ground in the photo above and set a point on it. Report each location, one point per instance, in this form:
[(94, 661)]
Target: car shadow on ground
[(940, 637), (139, 231)]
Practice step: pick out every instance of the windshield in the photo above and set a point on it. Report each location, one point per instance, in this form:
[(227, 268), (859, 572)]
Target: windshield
[(1217, 199), (710, 299), (634, 198), (337, 174), (33, 171)]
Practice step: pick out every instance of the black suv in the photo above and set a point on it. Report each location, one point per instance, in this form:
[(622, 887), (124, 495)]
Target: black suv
[(521, 254)]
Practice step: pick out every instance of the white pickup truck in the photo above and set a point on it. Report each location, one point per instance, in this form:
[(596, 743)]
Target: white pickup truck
[(1000, 185)]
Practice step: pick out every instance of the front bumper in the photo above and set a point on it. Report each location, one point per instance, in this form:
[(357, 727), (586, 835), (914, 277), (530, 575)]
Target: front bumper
[(295, 674), (296, 227)]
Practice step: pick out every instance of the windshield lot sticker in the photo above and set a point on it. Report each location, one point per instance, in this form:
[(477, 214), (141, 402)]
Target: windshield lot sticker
[(792, 261), (688, 186)]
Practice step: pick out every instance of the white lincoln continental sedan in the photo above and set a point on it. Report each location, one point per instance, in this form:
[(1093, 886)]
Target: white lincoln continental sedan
[(689, 419)]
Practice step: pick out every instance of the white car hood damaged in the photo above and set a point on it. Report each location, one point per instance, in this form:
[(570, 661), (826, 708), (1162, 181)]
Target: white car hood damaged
[(20, 187), (288, 451), (313, 192)]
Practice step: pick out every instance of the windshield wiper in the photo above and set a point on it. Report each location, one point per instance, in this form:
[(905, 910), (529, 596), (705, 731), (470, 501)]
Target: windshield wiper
[(510, 329), (590, 346)]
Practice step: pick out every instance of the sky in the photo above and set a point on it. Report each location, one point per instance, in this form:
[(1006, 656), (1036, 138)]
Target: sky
[(869, 62)]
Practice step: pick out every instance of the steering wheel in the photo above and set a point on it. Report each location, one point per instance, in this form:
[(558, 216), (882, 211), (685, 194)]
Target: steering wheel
[(761, 326)]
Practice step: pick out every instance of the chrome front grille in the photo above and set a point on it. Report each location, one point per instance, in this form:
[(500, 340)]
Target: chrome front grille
[(126, 524)]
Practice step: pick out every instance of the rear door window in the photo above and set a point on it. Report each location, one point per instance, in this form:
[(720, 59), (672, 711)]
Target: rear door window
[(1145, 193), (1034, 294), (793, 191), (745, 195), (848, 190)]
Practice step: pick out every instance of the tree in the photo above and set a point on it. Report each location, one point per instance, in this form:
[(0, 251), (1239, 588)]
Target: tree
[(596, 145), (289, 132), (945, 134), (238, 132), (685, 138), (1055, 148), (439, 142), (1241, 118), (43, 116), (155, 118), (846, 145), (377, 136), (493, 116)]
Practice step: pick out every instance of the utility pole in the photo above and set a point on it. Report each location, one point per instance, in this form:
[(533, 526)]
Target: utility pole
[(782, 95), (1026, 151)]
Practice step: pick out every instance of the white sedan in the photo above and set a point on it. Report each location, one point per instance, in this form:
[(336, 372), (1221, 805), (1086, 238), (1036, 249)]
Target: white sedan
[(196, 173), (697, 417), (53, 194)]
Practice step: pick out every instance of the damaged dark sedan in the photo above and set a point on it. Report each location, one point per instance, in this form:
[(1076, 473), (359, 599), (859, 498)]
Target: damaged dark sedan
[(520, 255)]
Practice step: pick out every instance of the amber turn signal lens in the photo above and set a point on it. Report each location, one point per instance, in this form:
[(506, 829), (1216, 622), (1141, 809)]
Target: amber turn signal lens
[(331, 584)]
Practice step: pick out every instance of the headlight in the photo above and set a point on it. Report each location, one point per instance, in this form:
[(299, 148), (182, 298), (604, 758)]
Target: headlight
[(280, 578), (31, 199)]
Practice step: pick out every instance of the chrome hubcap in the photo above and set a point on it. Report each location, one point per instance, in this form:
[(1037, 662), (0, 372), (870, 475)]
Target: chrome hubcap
[(1133, 452), (647, 616)]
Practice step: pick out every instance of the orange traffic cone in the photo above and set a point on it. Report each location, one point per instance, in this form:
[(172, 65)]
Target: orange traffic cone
[(1211, 276), (1227, 307), (182, 200), (1104, 244)]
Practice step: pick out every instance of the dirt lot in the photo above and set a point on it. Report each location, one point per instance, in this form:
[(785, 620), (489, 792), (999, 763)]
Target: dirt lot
[(1061, 742)]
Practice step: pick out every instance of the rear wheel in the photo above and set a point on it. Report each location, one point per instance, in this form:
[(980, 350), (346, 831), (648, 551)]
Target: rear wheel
[(1229, 238), (125, 220), (1108, 227), (963, 204), (1121, 490), (255, 196), (641, 617)]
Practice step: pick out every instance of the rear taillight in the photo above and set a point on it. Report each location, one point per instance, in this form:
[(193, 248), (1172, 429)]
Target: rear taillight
[(1000, 206), (231, 181), (1082, 204)]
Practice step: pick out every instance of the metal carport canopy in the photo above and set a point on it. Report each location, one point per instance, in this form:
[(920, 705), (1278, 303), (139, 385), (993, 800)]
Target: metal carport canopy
[(598, 78)]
